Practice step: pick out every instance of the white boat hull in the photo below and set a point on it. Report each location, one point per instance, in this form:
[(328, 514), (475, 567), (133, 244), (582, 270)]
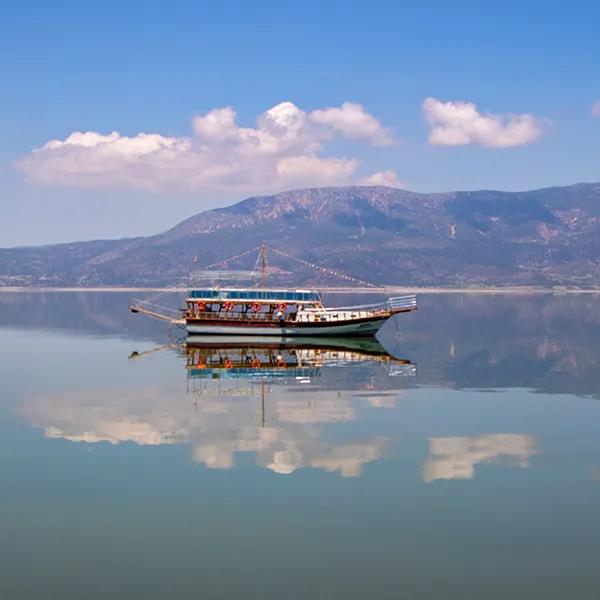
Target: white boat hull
[(360, 328)]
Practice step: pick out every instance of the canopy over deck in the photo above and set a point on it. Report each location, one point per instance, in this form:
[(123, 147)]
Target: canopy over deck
[(272, 296)]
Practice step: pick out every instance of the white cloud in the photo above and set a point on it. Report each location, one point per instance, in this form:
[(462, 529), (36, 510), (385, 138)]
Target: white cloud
[(459, 123), (595, 110), (217, 124), (388, 178), (286, 148), (456, 457), (353, 122)]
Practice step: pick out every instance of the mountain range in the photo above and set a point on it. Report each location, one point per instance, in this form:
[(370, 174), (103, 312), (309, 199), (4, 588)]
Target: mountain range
[(546, 237)]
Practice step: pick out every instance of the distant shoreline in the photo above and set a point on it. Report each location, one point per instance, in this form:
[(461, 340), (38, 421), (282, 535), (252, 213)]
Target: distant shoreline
[(379, 290)]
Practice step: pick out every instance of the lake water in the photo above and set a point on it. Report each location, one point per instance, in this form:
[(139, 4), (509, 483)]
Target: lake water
[(463, 464)]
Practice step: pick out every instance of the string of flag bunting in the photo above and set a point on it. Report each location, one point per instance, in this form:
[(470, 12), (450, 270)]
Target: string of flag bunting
[(186, 280), (224, 261), (323, 269)]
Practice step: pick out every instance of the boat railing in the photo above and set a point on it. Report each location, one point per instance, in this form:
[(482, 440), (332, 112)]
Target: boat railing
[(407, 302), (402, 302), (395, 304), (239, 315)]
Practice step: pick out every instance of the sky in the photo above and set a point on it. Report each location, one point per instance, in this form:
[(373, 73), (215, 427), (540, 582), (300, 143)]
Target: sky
[(120, 119)]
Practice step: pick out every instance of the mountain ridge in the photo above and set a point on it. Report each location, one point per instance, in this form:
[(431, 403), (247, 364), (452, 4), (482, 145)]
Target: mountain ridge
[(544, 237)]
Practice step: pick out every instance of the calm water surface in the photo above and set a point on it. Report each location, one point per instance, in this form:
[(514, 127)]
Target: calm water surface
[(463, 461)]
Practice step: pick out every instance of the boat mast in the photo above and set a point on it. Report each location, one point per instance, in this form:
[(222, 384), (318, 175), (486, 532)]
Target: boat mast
[(262, 401), (263, 264)]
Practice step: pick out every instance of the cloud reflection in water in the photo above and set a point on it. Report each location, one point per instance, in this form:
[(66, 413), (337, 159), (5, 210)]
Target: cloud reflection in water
[(456, 457)]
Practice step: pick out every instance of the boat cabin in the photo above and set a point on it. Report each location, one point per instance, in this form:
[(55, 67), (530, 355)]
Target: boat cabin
[(249, 304)]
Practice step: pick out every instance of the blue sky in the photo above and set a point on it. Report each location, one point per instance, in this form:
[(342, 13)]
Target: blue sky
[(154, 67)]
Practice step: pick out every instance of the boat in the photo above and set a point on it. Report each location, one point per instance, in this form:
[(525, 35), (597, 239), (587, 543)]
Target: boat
[(282, 312), (259, 311)]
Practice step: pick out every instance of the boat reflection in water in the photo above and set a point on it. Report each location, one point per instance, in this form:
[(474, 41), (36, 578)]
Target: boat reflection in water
[(283, 424), (284, 402), (264, 357)]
